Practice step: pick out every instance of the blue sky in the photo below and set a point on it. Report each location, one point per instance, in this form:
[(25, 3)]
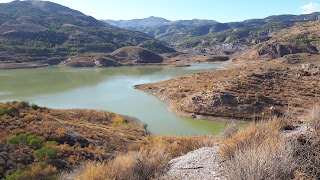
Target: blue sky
[(220, 10)]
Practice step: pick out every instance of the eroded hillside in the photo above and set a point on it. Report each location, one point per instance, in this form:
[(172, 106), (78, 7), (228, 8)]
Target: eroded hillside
[(268, 84)]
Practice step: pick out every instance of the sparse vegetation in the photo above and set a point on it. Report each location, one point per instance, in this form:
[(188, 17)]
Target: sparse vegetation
[(34, 171), (146, 163), (262, 151), (62, 138), (258, 152), (34, 106), (48, 150)]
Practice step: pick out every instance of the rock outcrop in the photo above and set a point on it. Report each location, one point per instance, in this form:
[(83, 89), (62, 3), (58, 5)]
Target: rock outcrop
[(276, 50), (199, 164)]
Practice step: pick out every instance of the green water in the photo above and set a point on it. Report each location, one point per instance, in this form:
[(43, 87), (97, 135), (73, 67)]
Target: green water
[(106, 89)]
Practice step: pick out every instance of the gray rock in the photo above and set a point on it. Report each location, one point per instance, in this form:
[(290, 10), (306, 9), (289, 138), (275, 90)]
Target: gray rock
[(199, 164)]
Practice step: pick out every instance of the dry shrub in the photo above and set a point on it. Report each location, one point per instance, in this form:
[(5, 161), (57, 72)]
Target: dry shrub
[(136, 165), (261, 162), (88, 171), (258, 152), (250, 137), (308, 146), (230, 130), (313, 119), (139, 165), (146, 163), (177, 146), (308, 157)]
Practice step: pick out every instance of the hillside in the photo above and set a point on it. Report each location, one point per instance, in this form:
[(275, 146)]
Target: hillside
[(47, 33), (78, 135), (41, 143), (270, 80), (207, 36), (126, 56), (304, 38)]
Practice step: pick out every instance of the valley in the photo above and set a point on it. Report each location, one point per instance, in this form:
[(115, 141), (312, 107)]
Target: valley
[(152, 98)]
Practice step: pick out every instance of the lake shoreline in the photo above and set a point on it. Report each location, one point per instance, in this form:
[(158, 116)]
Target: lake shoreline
[(171, 108), (107, 89)]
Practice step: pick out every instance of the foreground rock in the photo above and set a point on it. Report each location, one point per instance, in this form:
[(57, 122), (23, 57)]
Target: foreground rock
[(200, 164)]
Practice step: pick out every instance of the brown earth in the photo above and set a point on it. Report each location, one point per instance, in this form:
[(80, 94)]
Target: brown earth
[(248, 91)]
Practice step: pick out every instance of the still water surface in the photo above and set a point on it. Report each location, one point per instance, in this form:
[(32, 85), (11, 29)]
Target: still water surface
[(106, 89)]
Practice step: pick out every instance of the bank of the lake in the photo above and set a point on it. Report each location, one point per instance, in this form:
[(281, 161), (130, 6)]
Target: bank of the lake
[(106, 89)]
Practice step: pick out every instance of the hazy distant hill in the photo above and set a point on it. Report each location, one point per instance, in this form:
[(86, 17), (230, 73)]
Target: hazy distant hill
[(219, 38), (135, 23), (163, 29), (41, 28)]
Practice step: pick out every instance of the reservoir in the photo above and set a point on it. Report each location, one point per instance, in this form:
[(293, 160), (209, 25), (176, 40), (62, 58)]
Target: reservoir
[(107, 89)]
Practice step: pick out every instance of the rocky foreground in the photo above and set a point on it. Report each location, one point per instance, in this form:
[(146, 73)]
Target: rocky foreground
[(202, 163)]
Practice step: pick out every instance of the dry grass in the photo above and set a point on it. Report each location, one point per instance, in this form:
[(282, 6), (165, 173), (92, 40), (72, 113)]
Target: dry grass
[(88, 171), (253, 136), (177, 146), (230, 130), (262, 162), (259, 152), (137, 165), (146, 163), (313, 119), (308, 148)]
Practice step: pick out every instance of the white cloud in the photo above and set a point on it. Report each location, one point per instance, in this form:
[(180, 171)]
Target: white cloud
[(5, 1), (310, 8)]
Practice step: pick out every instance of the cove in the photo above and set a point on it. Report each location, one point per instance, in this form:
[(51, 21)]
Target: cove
[(107, 89)]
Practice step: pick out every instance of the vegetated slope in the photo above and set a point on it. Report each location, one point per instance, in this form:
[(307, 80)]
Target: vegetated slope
[(31, 30), (38, 137), (40, 143), (254, 89), (212, 37)]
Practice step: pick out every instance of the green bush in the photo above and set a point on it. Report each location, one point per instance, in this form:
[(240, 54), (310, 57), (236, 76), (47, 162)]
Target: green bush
[(19, 174), (11, 111), (1, 169), (15, 139), (14, 102), (34, 106), (24, 103), (35, 143), (2, 111), (34, 171), (49, 150)]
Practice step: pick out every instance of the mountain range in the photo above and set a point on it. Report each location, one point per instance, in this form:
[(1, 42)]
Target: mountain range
[(211, 36), (31, 31), (45, 29)]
